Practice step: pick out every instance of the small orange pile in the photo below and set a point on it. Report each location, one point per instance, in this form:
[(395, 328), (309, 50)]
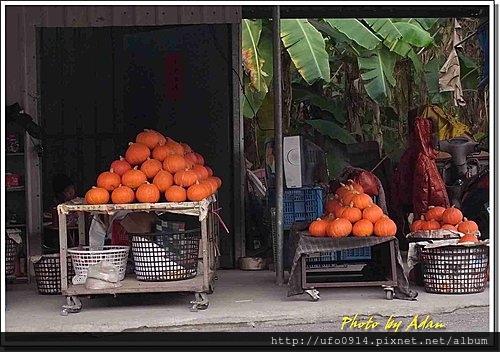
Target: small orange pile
[(437, 217), (155, 167), (351, 210)]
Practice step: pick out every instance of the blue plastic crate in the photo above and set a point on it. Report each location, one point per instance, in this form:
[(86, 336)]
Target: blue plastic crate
[(362, 253), (299, 204), (321, 260)]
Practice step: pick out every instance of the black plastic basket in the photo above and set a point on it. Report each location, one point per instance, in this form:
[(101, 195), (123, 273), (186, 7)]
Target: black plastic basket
[(10, 255), (166, 256), (48, 273), (454, 269)]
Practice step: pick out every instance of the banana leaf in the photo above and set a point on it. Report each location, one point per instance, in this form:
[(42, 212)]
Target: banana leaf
[(341, 40), (329, 105), (425, 23), (431, 70), (469, 71), (252, 61), (356, 31), (265, 48), (250, 99), (332, 130), (414, 35), (386, 29), (378, 66), (306, 47)]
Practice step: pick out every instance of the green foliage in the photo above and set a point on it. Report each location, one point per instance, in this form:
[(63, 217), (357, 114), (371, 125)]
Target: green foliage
[(356, 31), (252, 60), (378, 76), (401, 36), (425, 23), (306, 47), (431, 71), (334, 107), (469, 72), (265, 49), (323, 48), (250, 99), (414, 34), (332, 130)]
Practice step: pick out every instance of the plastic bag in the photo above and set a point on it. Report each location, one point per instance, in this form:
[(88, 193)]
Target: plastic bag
[(96, 284), (104, 271), (99, 231), (102, 275)]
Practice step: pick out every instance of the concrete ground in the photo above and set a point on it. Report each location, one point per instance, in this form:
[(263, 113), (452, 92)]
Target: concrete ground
[(240, 298)]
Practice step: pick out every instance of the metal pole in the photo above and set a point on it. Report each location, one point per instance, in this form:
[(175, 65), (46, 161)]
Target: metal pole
[(278, 143)]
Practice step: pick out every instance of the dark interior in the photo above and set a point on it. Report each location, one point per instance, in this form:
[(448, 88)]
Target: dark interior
[(101, 86)]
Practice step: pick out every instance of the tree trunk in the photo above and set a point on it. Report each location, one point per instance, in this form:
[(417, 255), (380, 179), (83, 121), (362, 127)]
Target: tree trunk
[(377, 127), (353, 100)]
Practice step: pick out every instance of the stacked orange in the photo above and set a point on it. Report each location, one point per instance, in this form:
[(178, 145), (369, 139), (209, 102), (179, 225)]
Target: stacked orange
[(155, 166), (350, 210)]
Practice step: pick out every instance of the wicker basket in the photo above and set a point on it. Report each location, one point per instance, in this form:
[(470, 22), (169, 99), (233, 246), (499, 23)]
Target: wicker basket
[(48, 273), (83, 257), (166, 256), (10, 255), (454, 269)]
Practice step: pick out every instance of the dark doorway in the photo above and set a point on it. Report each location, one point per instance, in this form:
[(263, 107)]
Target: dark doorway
[(101, 86)]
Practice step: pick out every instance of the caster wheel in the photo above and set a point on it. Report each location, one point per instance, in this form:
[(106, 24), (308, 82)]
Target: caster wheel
[(314, 294), (389, 294), (64, 312), (202, 306)]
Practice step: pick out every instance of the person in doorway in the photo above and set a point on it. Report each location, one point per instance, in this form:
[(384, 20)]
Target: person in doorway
[(64, 189)]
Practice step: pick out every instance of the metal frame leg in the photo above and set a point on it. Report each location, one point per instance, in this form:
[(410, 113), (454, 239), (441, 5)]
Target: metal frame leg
[(73, 305), (200, 301)]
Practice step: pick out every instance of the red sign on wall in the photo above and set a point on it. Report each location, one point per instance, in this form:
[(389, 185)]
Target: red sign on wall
[(173, 72)]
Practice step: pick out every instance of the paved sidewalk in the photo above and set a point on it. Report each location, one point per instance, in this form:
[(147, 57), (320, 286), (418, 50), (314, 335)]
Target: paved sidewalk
[(240, 297)]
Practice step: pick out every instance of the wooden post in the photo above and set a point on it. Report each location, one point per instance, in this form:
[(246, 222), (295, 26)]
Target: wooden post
[(63, 251), (204, 246), (81, 228)]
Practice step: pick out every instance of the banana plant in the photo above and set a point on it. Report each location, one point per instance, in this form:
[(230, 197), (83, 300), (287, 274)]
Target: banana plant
[(377, 44), (305, 45)]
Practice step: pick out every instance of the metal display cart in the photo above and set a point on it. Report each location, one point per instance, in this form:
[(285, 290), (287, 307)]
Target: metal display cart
[(200, 285), (307, 278), (310, 286)]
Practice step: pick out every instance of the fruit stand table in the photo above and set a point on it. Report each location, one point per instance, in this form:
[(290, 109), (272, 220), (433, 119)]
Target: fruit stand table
[(303, 244), (200, 285)]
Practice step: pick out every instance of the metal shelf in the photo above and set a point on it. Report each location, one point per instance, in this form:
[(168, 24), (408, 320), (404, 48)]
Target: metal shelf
[(9, 226), (14, 154), (15, 189), (131, 285), (16, 279)]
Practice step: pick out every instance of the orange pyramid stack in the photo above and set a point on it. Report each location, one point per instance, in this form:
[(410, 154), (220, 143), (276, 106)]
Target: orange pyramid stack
[(155, 168)]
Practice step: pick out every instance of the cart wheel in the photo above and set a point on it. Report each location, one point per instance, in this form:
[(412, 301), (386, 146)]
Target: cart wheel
[(389, 294), (73, 305), (202, 306), (314, 294), (200, 302)]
